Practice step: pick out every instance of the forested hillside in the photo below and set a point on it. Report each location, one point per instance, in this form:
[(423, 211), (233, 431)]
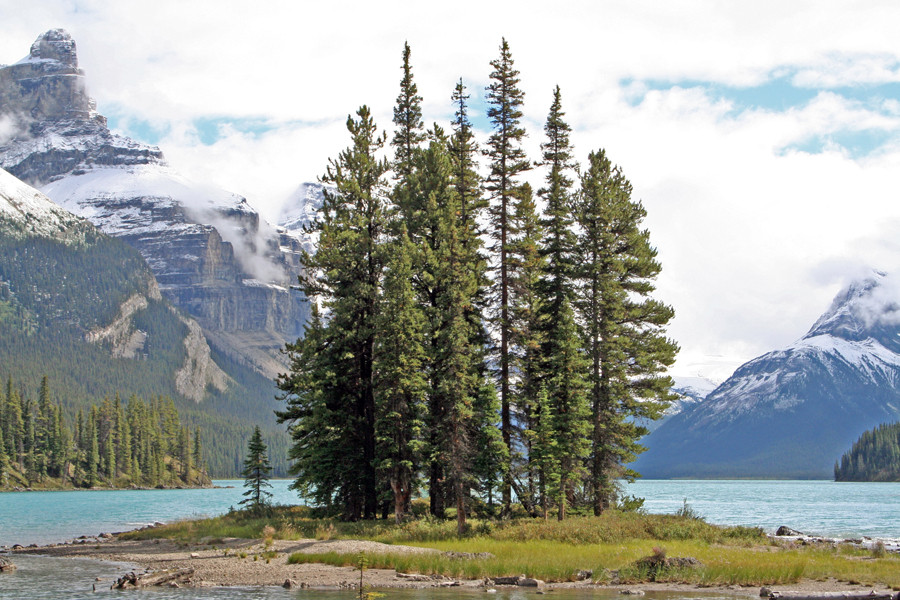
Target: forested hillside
[(84, 309), (874, 457), (135, 443)]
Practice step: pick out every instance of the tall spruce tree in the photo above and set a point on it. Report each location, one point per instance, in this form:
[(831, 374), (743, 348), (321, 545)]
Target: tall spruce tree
[(490, 460), (525, 332), (256, 473), (563, 364), (345, 275), (507, 163), (400, 382), (409, 133), (624, 327)]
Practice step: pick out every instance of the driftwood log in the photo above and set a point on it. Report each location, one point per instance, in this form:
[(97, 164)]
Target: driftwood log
[(130, 580)]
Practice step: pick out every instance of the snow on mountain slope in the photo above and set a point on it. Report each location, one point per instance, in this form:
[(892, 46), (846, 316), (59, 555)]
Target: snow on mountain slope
[(299, 212), (792, 412), (690, 391), (30, 211)]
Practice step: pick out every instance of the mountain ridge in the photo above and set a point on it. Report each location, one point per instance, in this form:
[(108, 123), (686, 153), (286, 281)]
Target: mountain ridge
[(213, 255), (792, 412)]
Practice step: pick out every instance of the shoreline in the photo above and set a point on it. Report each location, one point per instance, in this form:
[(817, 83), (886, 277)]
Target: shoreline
[(114, 489), (230, 562)]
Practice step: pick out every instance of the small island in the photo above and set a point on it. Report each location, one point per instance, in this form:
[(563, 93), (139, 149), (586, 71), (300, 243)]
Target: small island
[(622, 550)]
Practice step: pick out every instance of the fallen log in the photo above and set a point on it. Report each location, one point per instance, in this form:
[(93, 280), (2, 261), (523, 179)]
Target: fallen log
[(130, 580)]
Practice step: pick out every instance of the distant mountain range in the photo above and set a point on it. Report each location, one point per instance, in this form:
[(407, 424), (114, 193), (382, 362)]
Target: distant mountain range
[(792, 413)]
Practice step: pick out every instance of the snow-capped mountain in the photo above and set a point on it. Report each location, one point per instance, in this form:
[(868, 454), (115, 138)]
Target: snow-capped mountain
[(212, 254), (297, 214), (793, 412)]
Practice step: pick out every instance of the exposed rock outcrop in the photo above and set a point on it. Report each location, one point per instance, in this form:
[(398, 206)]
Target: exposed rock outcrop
[(199, 370)]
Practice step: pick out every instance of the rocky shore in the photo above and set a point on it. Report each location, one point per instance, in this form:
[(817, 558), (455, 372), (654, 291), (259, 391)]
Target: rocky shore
[(252, 562)]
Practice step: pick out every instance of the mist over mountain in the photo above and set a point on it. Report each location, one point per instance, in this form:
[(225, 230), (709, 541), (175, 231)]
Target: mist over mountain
[(793, 412), (212, 254)]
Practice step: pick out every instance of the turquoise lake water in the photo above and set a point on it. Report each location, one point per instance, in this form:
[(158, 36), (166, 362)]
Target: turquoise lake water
[(814, 507)]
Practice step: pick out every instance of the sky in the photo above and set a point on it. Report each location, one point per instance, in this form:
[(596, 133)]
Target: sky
[(762, 137)]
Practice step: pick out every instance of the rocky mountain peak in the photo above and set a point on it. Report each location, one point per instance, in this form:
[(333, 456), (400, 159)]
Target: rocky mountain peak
[(47, 85), (57, 45), (792, 412), (867, 309)]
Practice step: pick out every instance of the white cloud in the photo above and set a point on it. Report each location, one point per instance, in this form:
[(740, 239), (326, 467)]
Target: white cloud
[(754, 237)]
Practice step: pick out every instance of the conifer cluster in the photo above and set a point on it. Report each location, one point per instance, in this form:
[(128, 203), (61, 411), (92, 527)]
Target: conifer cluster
[(114, 444), (875, 456), (464, 345)]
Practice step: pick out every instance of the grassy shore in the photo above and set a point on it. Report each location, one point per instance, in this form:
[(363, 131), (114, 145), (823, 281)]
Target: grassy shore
[(609, 546)]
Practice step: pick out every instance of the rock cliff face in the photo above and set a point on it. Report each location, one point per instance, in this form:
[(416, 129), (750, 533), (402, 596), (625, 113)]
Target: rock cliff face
[(211, 254), (28, 217)]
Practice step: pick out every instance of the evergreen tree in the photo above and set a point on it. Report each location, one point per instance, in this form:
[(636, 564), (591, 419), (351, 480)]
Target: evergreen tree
[(4, 459), (624, 327), (507, 162), (93, 450), (198, 451), (184, 453), (526, 333), (408, 135), (467, 183), (543, 453), (256, 473), (563, 362), (345, 275), (401, 385)]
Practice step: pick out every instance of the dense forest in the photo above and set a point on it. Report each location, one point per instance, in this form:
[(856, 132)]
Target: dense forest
[(875, 456), (54, 291), (113, 444), (464, 344)]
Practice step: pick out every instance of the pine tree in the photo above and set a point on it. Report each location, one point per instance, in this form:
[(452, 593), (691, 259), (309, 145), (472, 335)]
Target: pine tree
[(184, 454), (624, 327), (563, 362), (526, 331), (467, 183), (4, 459), (93, 450), (198, 451), (408, 136), (507, 162), (345, 275), (401, 385), (456, 382), (256, 473), (543, 453)]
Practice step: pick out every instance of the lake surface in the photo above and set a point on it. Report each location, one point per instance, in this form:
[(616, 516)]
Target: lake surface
[(815, 507)]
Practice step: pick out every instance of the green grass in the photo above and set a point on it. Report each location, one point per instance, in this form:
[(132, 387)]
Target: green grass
[(553, 551)]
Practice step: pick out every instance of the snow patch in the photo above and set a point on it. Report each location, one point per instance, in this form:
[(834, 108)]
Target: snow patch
[(31, 209)]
